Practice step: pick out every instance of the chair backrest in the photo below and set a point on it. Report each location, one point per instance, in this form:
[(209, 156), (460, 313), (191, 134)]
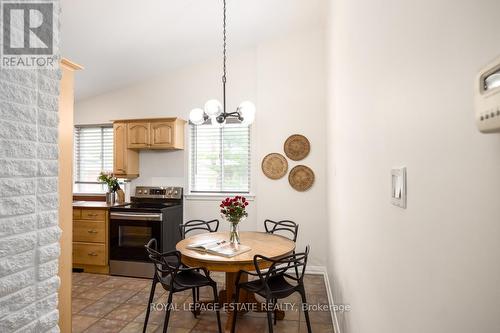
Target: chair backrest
[(281, 266), (165, 264), (210, 226), (287, 227)]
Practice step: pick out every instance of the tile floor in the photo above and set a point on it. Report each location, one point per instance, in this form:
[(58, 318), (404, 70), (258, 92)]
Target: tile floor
[(109, 304)]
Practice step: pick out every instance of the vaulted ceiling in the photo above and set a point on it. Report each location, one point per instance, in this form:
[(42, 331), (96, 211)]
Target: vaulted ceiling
[(123, 41)]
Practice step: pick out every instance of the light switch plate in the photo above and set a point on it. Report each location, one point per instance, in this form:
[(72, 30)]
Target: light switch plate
[(398, 187)]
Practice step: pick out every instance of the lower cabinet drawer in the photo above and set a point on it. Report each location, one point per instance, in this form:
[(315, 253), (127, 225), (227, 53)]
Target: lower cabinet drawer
[(88, 231), (89, 254), (94, 214)]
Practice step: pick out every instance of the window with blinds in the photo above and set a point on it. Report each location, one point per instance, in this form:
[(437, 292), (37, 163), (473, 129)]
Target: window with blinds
[(93, 152), (220, 158)]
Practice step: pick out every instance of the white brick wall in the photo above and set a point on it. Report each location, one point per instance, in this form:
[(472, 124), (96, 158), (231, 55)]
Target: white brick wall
[(29, 231)]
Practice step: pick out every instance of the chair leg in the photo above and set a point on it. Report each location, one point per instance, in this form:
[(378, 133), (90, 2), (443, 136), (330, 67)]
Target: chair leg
[(167, 314), (198, 289), (296, 269), (296, 272), (275, 311), (216, 304), (195, 292), (269, 315), (235, 310), (148, 310), (306, 312)]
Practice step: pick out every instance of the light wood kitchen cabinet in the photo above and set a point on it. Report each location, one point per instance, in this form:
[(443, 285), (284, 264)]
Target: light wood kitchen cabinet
[(89, 231), (90, 254), (162, 134), (158, 133), (90, 239), (126, 161), (138, 135), (133, 135)]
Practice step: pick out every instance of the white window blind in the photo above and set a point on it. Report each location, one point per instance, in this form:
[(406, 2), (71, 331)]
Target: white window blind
[(220, 158), (93, 152)]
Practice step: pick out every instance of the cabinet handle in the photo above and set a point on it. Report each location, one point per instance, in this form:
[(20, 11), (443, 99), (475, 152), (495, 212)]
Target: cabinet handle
[(92, 215), (92, 231), (93, 254)]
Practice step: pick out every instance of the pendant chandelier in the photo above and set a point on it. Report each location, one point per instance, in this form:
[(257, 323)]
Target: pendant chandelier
[(214, 110)]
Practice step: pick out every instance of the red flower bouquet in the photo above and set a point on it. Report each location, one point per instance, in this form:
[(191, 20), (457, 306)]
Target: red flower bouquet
[(234, 211)]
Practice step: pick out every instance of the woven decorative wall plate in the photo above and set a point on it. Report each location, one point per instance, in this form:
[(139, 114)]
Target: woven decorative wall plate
[(301, 178), (274, 166), (297, 147)]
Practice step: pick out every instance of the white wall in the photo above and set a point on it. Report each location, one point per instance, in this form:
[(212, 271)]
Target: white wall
[(401, 93), (285, 79)]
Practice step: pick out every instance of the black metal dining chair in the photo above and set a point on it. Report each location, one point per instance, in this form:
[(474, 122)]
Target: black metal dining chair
[(275, 283), (189, 226), (285, 228), (192, 225), (175, 278)]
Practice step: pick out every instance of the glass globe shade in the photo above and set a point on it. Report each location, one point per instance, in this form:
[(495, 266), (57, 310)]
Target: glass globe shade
[(196, 116), (213, 108), (247, 111)]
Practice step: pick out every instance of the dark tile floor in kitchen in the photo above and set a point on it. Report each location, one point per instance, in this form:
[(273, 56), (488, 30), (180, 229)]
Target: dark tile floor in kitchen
[(108, 304)]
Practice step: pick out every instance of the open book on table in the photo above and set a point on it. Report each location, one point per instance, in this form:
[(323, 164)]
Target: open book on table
[(220, 247)]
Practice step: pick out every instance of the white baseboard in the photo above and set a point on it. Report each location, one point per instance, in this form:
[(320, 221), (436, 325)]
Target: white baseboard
[(321, 270)]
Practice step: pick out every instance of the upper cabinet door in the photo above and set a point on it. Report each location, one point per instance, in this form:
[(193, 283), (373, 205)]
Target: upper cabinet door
[(162, 134), (120, 148), (138, 135)]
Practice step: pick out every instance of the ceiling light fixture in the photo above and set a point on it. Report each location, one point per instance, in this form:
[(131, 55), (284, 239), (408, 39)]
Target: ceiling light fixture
[(214, 110)]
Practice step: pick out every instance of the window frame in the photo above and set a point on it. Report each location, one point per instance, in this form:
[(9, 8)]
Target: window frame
[(76, 165), (216, 195)]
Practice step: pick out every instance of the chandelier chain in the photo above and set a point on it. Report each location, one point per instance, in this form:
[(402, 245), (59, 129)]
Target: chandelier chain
[(224, 43)]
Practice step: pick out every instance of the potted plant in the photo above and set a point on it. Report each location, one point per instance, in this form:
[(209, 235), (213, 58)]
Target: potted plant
[(113, 186), (233, 210)]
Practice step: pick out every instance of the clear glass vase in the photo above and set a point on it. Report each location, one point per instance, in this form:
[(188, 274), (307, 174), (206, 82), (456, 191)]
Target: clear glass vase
[(234, 229), (234, 233)]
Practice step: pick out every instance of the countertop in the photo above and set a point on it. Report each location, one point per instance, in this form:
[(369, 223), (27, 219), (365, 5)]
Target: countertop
[(94, 204)]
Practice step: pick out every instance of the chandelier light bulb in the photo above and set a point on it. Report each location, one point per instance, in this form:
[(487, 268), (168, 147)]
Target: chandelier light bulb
[(197, 116), (247, 111), (213, 108)]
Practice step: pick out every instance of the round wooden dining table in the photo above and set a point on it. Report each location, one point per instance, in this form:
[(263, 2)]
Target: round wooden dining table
[(269, 245)]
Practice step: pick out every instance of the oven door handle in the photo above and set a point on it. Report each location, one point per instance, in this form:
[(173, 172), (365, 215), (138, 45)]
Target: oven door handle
[(136, 216)]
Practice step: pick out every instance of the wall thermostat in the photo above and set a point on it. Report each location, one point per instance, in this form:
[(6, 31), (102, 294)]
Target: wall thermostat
[(487, 98), (398, 188)]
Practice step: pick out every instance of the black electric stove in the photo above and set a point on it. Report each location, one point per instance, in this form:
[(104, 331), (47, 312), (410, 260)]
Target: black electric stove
[(154, 212)]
